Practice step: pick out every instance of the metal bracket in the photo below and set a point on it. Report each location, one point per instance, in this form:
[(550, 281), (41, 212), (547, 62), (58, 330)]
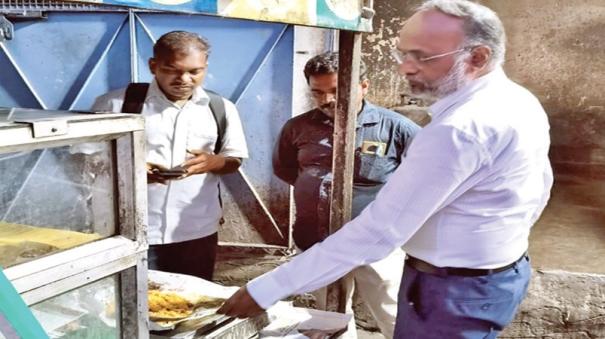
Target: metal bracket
[(47, 128), (27, 14), (6, 29)]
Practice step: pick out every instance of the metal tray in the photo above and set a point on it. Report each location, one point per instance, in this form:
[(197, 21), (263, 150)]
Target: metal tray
[(219, 327)]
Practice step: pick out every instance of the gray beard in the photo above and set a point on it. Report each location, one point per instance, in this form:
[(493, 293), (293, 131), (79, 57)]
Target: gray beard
[(451, 82)]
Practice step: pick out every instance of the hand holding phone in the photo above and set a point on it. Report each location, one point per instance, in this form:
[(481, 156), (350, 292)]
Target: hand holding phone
[(170, 173), (159, 174)]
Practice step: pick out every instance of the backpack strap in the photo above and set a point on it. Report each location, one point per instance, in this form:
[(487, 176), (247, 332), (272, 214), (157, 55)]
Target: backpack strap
[(217, 106), (135, 97)]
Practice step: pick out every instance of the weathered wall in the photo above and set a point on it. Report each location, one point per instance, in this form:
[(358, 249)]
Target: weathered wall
[(386, 86), (557, 50)]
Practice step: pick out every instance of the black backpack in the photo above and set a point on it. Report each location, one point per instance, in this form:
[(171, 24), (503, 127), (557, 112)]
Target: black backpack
[(135, 98)]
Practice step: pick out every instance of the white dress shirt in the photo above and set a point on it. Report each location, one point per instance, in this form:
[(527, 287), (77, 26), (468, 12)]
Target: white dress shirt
[(189, 208), (472, 184)]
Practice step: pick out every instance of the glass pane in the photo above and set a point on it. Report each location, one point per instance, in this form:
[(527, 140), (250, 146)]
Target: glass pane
[(53, 199), (91, 311)]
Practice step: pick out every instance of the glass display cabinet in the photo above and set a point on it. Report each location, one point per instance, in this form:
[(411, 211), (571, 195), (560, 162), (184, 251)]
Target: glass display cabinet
[(72, 216)]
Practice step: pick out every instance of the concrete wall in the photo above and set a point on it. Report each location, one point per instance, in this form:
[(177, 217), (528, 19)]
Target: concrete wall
[(557, 50)]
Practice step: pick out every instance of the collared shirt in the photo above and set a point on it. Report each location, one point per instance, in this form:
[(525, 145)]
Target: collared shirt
[(472, 184), (303, 158), (189, 208)]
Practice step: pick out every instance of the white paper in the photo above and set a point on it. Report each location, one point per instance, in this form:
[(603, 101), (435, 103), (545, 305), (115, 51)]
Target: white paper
[(287, 321)]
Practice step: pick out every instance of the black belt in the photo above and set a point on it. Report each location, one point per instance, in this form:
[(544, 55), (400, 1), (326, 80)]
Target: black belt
[(425, 267)]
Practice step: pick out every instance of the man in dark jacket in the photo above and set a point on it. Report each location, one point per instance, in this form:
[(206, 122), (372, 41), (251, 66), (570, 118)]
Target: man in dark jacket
[(303, 158)]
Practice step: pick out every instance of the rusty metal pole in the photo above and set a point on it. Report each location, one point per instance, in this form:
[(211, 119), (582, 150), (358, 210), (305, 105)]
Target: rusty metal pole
[(344, 147)]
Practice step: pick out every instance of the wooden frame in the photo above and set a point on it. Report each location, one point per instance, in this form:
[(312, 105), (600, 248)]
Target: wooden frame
[(344, 147)]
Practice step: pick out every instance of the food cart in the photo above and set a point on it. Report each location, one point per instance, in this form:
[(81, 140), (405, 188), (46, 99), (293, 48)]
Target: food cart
[(72, 239), (110, 252)]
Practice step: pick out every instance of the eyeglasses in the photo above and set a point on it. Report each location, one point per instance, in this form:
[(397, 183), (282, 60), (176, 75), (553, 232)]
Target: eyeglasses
[(413, 56)]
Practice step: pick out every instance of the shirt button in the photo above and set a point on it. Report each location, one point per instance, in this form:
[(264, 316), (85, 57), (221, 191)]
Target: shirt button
[(486, 307)]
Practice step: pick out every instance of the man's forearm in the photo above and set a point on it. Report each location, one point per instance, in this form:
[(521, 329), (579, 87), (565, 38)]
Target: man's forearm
[(231, 165)]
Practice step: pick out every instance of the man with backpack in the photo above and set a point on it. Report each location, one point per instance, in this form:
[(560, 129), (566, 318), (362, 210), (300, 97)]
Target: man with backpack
[(193, 136)]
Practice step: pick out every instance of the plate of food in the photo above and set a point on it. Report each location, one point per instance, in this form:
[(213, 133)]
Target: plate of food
[(177, 298)]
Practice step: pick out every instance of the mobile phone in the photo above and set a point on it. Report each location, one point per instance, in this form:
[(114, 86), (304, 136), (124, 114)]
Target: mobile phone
[(174, 172)]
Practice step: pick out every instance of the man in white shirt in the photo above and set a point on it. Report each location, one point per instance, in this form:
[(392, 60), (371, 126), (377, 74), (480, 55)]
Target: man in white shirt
[(181, 131), (462, 203)]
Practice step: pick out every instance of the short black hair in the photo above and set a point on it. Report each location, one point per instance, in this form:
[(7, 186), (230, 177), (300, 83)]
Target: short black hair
[(327, 63), (176, 42)]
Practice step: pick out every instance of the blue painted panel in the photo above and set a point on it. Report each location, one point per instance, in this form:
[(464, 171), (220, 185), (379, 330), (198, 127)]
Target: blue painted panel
[(265, 107), (237, 46), (13, 90), (58, 58), (144, 52), (111, 72), (60, 54)]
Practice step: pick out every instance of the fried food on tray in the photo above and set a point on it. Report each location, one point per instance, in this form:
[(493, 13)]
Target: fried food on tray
[(167, 305)]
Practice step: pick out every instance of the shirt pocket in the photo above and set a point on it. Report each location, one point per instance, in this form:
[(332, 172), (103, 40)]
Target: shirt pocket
[(159, 140), (198, 140), (374, 167)]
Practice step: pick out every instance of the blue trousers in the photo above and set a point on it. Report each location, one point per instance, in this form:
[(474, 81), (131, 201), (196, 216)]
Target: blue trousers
[(455, 307)]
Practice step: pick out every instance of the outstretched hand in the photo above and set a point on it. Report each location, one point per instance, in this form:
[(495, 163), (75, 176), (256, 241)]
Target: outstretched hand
[(241, 305)]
